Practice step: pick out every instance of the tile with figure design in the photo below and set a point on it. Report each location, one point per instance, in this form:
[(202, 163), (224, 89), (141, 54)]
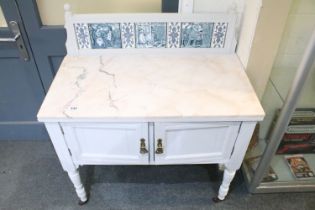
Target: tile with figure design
[(150, 35), (196, 35), (105, 35)]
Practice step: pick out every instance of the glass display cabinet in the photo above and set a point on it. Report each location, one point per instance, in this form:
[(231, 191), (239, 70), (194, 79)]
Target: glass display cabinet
[(281, 156)]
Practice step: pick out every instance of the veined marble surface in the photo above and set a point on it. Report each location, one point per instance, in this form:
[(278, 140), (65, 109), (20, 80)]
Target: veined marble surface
[(145, 87)]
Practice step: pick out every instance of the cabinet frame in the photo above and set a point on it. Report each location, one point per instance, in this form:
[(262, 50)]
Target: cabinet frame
[(59, 139), (77, 136)]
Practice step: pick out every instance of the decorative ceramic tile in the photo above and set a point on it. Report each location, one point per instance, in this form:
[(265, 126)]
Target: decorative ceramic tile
[(128, 35), (196, 35), (82, 35), (173, 35), (218, 36), (150, 35), (105, 35)]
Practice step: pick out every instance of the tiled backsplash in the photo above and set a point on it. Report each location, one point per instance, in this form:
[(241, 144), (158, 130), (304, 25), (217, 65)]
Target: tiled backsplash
[(151, 35)]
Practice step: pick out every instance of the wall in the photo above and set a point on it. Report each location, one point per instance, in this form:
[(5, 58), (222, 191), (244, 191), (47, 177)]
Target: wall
[(270, 26), (298, 30), (300, 25), (260, 31), (2, 20), (52, 12), (247, 12)]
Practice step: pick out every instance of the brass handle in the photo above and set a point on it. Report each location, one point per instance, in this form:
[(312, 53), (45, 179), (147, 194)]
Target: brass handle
[(143, 149), (159, 149)]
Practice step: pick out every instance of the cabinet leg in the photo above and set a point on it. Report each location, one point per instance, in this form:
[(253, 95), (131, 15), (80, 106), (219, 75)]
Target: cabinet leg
[(224, 188), (79, 188)]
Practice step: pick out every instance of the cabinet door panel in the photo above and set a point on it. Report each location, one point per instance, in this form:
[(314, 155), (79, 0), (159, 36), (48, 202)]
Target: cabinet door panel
[(107, 143), (195, 142)]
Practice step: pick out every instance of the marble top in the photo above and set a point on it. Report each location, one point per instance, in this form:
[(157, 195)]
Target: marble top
[(151, 87)]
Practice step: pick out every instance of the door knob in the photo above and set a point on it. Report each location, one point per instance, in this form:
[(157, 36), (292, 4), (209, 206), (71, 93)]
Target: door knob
[(143, 149), (159, 149)]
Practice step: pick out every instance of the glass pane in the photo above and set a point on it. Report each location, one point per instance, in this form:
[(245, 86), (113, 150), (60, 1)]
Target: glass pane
[(55, 16), (3, 23), (300, 134)]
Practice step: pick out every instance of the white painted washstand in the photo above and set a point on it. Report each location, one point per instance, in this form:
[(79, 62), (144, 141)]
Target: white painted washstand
[(151, 106)]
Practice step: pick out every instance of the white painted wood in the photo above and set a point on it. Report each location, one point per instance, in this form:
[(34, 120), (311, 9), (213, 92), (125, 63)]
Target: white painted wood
[(61, 148), (79, 188), (103, 143), (151, 17), (71, 41), (185, 6), (227, 178), (247, 29), (240, 147), (195, 142), (183, 143), (56, 135)]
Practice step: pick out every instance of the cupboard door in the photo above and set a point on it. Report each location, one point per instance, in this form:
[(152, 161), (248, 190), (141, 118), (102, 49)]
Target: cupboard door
[(107, 143), (194, 143)]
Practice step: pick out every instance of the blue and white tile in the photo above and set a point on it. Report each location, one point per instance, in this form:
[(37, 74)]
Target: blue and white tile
[(105, 35), (128, 35), (82, 35), (150, 35), (219, 34), (173, 34), (196, 35)]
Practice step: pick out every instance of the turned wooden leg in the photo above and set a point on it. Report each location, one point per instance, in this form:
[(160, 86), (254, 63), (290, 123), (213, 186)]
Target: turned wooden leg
[(79, 188), (224, 188)]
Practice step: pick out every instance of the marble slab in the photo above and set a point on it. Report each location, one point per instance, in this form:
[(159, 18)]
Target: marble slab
[(151, 87)]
